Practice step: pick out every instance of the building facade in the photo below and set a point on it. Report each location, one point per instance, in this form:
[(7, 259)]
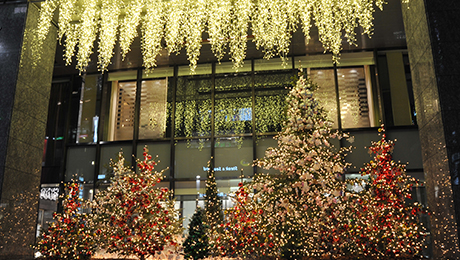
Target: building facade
[(57, 125)]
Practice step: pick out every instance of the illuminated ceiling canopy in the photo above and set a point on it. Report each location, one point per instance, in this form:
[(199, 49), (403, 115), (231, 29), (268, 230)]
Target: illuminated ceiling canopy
[(181, 24)]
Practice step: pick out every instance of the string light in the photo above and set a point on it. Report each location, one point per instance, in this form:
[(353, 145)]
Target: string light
[(43, 28), (87, 34), (152, 30), (182, 24), (305, 210), (108, 32), (128, 28)]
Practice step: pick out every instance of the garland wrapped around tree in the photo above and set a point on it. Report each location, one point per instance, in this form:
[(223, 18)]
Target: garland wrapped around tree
[(70, 236), (385, 222), (133, 216), (196, 245)]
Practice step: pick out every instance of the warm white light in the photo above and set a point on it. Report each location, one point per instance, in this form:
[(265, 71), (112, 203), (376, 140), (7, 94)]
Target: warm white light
[(182, 24)]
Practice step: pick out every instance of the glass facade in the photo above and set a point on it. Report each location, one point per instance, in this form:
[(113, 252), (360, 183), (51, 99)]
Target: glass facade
[(221, 114)]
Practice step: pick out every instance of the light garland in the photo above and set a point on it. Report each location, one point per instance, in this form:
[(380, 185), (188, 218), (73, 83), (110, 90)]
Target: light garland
[(152, 29), (43, 28), (87, 34), (108, 32), (182, 24), (128, 29)]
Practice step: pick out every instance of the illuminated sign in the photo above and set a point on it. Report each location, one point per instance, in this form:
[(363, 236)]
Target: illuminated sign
[(220, 169), (49, 193)]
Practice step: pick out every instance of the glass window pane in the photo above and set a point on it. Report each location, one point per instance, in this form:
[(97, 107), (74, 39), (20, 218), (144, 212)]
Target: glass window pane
[(161, 72), (80, 163), (188, 209), (193, 106), (111, 152), (233, 157), (407, 147), (162, 150), (122, 75), (201, 69), (262, 145), (356, 59), (314, 61), (192, 158), (197, 188), (153, 109), (87, 119), (49, 197), (270, 102), (233, 104), (227, 67), (361, 141), (272, 64), (354, 95), (325, 93), (121, 120), (86, 193)]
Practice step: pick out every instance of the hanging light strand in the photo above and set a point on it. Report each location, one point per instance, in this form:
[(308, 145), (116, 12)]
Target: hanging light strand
[(110, 12), (219, 22), (182, 24), (87, 35), (66, 10), (128, 29), (152, 30), (238, 31), (43, 28)]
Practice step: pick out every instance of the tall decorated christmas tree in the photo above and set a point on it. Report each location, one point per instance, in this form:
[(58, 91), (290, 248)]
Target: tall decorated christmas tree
[(70, 236), (196, 245), (134, 217), (386, 219), (302, 203), (213, 208)]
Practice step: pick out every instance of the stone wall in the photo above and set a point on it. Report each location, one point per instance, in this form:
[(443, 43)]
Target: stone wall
[(25, 89), (431, 28)]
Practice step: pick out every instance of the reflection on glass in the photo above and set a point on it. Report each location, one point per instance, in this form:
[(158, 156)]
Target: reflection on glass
[(270, 102), (111, 152), (87, 118), (325, 93), (193, 107), (121, 123), (197, 188), (162, 150), (233, 104), (153, 107), (49, 197), (233, 157), (354, 107), (192, 158), (80, 164)]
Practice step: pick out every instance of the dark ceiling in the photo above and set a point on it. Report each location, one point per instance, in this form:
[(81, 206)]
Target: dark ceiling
[(388, 34)]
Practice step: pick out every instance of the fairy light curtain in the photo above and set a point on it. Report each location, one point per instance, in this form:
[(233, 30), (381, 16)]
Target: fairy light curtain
[(180, 24)]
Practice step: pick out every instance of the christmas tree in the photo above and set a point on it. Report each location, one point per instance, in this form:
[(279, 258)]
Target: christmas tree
[(213, 207), (196, 245), (302, 203), (133, 216), (244, 233), (386, 220), (70, 236)]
